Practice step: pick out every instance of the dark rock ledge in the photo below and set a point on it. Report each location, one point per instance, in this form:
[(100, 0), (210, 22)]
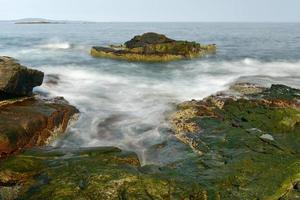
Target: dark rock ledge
[(27, 120)]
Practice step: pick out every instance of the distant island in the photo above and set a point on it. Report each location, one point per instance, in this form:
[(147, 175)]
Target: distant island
[(44, 21), (38, 21)]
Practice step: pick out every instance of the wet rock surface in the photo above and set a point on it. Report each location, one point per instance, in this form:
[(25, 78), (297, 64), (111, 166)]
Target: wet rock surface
[(153, 47), (248, 145), (146, 39), (27, 120), (32, 122), (97, 173), (17, 80)]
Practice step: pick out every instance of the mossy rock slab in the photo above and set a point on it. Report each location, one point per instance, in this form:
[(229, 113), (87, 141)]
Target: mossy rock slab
[(97, 173), (153, 47), (248, 145)]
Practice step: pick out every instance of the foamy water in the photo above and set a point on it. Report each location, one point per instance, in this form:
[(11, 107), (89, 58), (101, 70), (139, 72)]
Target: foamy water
[(126, 104), (56, 45)]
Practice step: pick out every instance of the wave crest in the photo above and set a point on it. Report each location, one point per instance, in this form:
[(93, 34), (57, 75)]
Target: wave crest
[(56, 45)]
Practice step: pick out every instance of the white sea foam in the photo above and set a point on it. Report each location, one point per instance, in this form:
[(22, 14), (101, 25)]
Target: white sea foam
[(128, 110), (56, 45)]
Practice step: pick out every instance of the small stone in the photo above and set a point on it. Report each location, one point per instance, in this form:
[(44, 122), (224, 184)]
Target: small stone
[(267, 137)]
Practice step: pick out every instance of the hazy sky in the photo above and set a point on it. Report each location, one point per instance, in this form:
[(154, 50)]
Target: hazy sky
[(154, 10)]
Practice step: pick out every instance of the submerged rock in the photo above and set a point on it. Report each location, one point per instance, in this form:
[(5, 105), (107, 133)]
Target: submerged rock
[(249, 145), (17, 80), (153, 47), (29, 122)]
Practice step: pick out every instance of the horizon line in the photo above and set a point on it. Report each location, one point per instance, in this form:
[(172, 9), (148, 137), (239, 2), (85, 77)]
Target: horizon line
[(115, 21)]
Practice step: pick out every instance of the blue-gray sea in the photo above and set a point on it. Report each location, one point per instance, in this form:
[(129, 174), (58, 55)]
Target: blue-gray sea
[(127, 104)]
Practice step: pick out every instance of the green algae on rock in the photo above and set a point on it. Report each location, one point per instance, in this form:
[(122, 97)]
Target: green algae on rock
[(153, 47), (249, 145), (97, 173)]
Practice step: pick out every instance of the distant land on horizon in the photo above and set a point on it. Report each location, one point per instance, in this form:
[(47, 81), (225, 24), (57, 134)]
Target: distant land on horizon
[(42, 21)]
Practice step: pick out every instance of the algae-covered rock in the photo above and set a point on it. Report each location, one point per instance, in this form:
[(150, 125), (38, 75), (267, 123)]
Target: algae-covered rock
[(27, 122), (97, 173), (153, 47), (17, 80), (248, 145), (146, 39)]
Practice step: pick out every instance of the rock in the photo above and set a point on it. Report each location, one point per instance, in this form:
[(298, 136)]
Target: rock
[(297, 186), (247, 88), (95, 173), (267, 137), (52, 79), (153, 47), (147, 39), (28, 122), (17, 80), (235, 142)]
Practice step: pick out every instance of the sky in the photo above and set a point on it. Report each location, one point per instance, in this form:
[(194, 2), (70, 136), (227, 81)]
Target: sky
[(154, 10)]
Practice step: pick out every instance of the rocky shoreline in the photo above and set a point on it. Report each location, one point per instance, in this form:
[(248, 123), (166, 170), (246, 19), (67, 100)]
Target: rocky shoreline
[(153, 47), (245, 142)]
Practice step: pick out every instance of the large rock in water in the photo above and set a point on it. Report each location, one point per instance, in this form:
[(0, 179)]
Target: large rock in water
[(153, 47), (17, 80)]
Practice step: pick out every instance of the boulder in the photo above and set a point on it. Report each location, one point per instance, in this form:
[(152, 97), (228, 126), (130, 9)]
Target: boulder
[(17, 80), (153, 47), (147, 39), (31, 121)]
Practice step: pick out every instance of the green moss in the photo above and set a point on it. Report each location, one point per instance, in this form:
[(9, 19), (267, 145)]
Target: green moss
[(256, 114), (97, 173), (239, 163)]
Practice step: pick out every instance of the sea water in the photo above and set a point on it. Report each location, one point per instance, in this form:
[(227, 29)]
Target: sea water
[(127, 104)]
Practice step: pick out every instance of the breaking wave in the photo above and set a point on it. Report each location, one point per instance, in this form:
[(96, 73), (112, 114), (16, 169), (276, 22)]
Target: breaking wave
[(56, 45)]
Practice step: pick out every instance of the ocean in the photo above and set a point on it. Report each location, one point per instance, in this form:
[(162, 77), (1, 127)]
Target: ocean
[(126, 104)]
